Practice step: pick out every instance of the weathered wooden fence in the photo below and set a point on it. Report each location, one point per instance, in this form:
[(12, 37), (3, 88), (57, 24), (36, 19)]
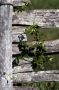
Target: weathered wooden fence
[(45, 19)]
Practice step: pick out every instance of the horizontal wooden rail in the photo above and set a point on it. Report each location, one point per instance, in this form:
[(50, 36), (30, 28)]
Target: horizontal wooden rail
[(47, 32), (36, 76), (43, 18), (51, 46), (19, 87), (24, 73), (25, 66)]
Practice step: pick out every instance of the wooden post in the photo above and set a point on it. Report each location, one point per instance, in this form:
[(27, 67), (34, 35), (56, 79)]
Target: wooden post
[(5, 45)]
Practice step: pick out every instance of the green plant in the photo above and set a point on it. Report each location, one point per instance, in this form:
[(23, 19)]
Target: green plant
[(39, 57), (37, 50)]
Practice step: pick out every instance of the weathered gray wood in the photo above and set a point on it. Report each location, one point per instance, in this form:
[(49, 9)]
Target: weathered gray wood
[(15, 37), (15, 49), (6, 1), (19, 2), (24, 66), (36, 76), (5, 46), (24, 73), (43, 18), (16, 31), (51, 46)]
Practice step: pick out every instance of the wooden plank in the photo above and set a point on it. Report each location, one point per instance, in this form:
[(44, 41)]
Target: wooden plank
[(36, 76), (19, 2), (15, 49), (51, 46), (5, 45), (16, 31), (24, 73), (23, 66), (43, 18)]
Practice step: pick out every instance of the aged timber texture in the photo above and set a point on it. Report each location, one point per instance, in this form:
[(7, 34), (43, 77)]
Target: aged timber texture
[(5, 45), (43, 18)]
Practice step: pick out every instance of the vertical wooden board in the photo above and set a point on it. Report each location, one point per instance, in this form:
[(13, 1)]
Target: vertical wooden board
[(5, 46)]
